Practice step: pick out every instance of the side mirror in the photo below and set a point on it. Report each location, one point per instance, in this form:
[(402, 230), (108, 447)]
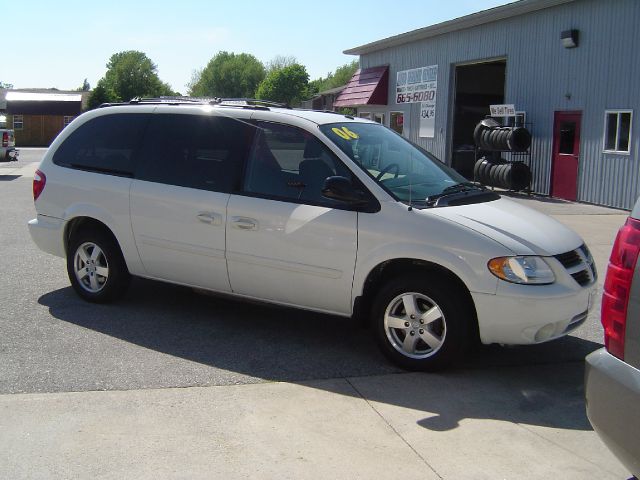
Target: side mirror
[(341, 189)]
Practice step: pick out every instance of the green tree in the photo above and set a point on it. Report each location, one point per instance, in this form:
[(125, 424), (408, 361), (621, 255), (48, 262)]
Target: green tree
[(279, 62), (98, 96), (129, 74), (228, 75), (288, 85), (340, 77), (85, 87), (343, 74), (6, 85)]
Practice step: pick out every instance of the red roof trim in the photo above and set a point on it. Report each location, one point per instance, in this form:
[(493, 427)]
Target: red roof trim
[(367, 87)]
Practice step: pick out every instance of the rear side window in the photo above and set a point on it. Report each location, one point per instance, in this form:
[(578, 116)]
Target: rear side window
[(196, 151), (104, 144)]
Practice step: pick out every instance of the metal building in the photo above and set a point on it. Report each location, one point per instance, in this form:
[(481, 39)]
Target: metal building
[(569, 69)]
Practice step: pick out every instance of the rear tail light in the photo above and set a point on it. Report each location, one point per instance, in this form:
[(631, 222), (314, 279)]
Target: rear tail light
[(5, 139), (617, 286), (39, 181)]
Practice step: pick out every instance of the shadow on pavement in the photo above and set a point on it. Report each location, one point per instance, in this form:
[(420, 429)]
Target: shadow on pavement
[(540, 384)]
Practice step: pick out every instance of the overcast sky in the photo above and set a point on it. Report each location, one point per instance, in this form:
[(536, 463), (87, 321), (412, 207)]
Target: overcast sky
[(59, 44)]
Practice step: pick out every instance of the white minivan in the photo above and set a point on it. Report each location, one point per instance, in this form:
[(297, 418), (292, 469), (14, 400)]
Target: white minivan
[(308, 209)]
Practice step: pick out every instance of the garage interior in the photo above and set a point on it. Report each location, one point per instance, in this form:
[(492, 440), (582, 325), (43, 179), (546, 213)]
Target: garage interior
[(477, 86)]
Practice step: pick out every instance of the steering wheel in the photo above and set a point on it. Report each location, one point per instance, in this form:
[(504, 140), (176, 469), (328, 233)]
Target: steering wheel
[(391, 166)]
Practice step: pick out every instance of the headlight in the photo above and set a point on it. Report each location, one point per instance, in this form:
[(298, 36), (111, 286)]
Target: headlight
[(526, 270)]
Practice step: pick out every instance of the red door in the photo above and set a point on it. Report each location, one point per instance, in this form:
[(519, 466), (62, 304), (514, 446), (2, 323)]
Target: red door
[(566, 155)]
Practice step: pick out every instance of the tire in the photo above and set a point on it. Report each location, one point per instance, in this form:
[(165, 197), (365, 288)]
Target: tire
[(485, 142), (96, 267), (506, 177), (447, 329), (476, 171), (504, 135), (520, 139)]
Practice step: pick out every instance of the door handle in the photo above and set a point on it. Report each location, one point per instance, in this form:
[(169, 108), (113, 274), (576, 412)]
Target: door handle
[(210, 217), (244, 223)]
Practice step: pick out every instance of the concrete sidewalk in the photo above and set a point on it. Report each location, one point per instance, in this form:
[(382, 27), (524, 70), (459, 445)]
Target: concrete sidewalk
[(522, 422)]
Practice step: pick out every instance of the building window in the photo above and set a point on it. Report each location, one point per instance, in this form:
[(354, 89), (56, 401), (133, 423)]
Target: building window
[(396, 122), (18, 122), (378, 117), (67, 120), (366, 115), (617, 131)]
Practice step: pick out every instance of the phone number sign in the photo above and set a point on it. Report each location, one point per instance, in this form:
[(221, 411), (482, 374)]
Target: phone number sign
[(417, 85), (420, 85)]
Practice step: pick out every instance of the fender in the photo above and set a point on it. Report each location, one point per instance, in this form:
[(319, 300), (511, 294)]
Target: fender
[(120, 226), (476, 281), (430, 238)]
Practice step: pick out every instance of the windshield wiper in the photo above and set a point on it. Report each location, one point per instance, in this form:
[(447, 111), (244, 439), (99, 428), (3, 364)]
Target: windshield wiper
[(452, 190)]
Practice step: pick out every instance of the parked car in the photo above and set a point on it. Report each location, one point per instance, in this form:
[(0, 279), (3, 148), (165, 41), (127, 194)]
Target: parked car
[(314, 210), (612, 377), (8, 150)]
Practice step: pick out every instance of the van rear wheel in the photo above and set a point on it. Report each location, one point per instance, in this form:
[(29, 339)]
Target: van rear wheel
[(95, 266), (421, 322)]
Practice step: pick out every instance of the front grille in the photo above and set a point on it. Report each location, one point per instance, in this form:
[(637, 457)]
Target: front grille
[(579, 263), (583, 278), (569, 259)]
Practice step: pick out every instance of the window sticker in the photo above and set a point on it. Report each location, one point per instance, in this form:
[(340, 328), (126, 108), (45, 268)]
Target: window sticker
[(345, 133)]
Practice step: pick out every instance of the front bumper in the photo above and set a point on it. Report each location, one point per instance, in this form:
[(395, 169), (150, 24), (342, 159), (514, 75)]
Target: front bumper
[(47, 234), (528, 314), (612, 395)]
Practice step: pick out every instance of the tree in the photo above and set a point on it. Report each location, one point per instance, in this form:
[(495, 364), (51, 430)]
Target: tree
[(228, 75), (279, 62), (288, 85), (98, 96), (6, 85), (129, 74), (85, 87), (341, 77), (343, 74)]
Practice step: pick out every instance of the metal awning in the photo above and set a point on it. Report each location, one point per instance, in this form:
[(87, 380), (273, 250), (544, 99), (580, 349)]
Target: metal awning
[(368, 86)]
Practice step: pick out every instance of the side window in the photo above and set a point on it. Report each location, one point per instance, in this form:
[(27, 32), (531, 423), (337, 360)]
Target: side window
[(195, 151), (104, 144), (18, 122), (290, 164), (617, 131)]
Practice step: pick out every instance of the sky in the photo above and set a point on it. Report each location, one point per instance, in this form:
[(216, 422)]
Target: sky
[(59, 44)]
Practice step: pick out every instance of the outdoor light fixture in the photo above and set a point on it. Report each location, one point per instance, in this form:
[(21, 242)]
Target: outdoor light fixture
[(569, 38)]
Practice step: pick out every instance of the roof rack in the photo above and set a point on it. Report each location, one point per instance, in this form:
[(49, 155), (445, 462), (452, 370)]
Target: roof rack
[(181, 100), (252, 102)]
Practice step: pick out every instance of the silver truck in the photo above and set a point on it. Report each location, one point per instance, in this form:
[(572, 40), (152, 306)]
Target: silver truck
[(612, 375)]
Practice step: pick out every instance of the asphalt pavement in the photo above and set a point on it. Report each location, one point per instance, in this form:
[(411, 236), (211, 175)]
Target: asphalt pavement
[(170, 383)]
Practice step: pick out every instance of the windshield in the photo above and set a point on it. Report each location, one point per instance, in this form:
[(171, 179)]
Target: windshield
[(409, 173)]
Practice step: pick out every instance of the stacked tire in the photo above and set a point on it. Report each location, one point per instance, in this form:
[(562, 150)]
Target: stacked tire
[(500, 173), (491, 170), (490, 136)]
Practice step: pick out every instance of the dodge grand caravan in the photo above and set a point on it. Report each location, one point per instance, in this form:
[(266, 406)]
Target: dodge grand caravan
[(308, 209)]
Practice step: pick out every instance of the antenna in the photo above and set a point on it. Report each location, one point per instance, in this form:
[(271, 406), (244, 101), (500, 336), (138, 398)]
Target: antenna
[(410, 172)]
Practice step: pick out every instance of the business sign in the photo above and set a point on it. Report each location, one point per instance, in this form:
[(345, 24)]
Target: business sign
[(417, 85), (506, 110), (420, 85)]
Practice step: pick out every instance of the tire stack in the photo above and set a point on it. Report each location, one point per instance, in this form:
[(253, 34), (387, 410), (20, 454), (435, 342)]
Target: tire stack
[(500, 173), (490, 136)]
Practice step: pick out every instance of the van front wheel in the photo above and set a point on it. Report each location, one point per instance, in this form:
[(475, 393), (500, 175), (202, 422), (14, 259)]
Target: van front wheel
[(421, 323)]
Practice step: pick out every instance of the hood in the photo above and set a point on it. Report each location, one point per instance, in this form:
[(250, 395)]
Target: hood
[(521, 229)]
